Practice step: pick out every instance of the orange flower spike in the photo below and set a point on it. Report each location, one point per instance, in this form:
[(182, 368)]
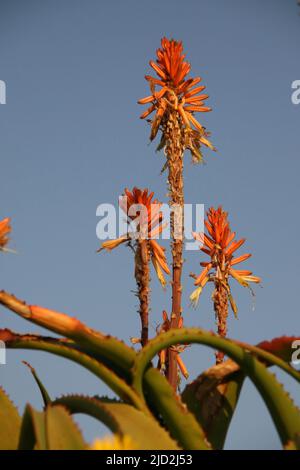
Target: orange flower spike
[(220, 246), (176, 94), (144, 211), (5, 230), (150, 220)]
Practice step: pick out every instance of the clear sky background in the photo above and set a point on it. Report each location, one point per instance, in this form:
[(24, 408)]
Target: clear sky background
[(71, 139)]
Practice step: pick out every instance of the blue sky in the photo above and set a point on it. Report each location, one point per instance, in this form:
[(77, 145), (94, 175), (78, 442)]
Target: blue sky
[(71, 139)]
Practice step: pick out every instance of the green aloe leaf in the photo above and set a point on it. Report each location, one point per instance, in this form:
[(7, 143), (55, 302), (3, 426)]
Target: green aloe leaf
[(42, 388), (61, 431), (33, 430), (52, 429), (10, 423), (181, 423), (122, 419), (285, 414), (212, 398), (66, 349), (214, 395), (111, 350), (113, 353)]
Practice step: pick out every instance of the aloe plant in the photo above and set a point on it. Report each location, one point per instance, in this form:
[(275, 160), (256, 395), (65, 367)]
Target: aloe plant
[(149, 411)]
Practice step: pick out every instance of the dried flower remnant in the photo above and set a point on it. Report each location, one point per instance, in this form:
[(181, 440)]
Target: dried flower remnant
[(140, 207), (220, 246), (5, 230)]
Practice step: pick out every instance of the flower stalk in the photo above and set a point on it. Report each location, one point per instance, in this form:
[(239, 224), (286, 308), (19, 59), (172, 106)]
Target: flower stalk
[(220, 245), (174, 152), (174, 106), (220, 299), (142, 276)]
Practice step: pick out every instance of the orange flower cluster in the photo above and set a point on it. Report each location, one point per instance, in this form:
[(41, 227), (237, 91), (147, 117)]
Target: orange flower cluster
[(140, 207), (176, 93), (220, 245), (5, 229)]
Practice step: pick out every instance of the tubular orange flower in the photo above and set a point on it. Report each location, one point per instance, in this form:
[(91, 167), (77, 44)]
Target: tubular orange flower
[(5, 230), (176, 93), (220, 245)]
